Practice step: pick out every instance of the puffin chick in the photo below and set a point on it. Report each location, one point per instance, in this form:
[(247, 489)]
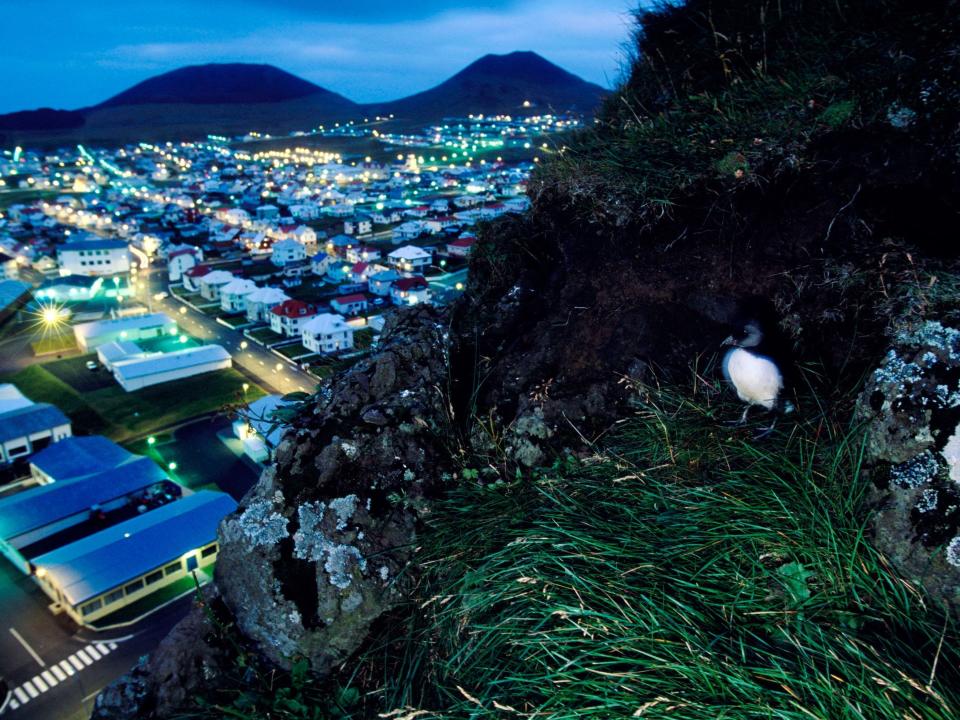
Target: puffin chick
[(754, 369)]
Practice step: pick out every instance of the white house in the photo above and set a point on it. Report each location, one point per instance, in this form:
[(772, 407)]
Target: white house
[(236, 216), (350, 304), (327, 333), (410, 259), (321, 262), (180, 260), (233, 295), (461, 247), (289, 317), (142, 372), (260, 302), (94, 257), (358, 225), (287, 251), (305, 211), (363, 253), (307, 237), (211, 283), (407, 231), (257, 430), (410, 291)]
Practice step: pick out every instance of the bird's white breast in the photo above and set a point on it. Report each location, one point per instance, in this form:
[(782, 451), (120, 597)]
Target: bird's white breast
[(756, 379)]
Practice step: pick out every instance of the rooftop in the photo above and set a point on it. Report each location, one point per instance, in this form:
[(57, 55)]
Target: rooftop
[(45, 504), (169, 362), (111, 557), (74, 457), (93, 245), (134, 322), (25, 421)]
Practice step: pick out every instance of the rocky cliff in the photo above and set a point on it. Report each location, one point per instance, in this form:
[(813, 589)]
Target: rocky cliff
[(801, 159)]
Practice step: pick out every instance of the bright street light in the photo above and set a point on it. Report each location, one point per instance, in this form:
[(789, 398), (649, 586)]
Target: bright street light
[(151, 440), (172, 466)]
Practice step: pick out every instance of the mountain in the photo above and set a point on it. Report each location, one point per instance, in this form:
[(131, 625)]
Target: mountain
[(235, 98), (219, 83), (191, 102), (500, 84)]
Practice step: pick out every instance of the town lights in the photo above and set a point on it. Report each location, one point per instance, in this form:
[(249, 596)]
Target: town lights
[(172, 466), (151, 440)]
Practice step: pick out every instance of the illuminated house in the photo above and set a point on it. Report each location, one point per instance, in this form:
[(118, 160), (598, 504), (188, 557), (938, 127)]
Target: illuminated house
[(211, 282), (288, 317), (327, 333), (257, 430), (94, 257), (233, 295), (410, 291), (106, 571), (410, 259)]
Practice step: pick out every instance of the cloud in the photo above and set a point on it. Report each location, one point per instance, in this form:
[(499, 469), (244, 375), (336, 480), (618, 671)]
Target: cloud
[(368, 51), (387, 60)]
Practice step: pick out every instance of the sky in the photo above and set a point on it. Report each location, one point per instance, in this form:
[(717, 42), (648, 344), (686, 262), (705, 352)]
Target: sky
[(71, 54)]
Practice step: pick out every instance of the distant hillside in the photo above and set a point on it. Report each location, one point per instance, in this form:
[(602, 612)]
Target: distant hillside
[(42, 119), (235, 98), (500, 84), (220, 83)]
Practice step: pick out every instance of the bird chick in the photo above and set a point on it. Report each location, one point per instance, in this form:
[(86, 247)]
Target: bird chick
[(753, 369)]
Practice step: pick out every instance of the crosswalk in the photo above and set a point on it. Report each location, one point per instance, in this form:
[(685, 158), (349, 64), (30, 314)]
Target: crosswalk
[(56, 674)]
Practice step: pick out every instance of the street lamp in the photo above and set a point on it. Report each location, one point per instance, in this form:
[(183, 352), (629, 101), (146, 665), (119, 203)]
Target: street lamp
[(183, 311), (151, 440), (243, 344), (172, 466)]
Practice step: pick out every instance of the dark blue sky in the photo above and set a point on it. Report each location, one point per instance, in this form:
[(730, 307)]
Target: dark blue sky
[(68, 54)]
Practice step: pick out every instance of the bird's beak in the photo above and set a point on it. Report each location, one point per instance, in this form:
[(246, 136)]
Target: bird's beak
[(728, 341)]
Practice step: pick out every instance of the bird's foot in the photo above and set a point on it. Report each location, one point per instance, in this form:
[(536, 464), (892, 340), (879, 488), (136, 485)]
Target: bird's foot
[(743, 419), (766, 431)]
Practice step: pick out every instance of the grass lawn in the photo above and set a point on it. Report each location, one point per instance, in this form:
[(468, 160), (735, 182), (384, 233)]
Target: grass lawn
[(211, 310), (265, 335), (97, 404), (40, 385), (61, 342), (294, 350), (235, 320)]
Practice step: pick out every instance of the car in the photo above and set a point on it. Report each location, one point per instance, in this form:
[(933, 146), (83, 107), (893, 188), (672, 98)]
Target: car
[(92, 365), (161, 296)]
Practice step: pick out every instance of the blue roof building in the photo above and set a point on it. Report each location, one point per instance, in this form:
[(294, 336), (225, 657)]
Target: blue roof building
[(75, 457), (103, 572), (30, 516), (25, 430)]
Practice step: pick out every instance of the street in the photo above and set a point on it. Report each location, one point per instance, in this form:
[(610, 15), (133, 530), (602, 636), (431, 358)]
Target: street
[(266, 368), (54, 669)]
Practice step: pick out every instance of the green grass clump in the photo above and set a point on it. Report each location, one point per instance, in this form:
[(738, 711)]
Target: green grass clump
[(684, 572)]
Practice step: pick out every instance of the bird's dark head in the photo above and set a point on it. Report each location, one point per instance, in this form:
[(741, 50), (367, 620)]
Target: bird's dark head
[(747, 335)]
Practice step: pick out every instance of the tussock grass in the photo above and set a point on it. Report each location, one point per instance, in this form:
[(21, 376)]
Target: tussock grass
[(684, 572)]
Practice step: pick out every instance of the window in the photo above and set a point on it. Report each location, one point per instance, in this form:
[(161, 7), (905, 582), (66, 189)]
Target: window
[(154, 577), (91, 607), (209, 550), (112, 597), (17, 450), (133, 587), (172, 568)]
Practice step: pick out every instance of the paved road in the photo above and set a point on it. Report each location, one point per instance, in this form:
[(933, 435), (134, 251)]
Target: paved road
[(265, 367), (56, 669)]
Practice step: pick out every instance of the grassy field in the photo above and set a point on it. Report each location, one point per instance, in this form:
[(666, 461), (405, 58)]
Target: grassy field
[(54, 343), (265, 335), (293, 350), (97, 404)]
